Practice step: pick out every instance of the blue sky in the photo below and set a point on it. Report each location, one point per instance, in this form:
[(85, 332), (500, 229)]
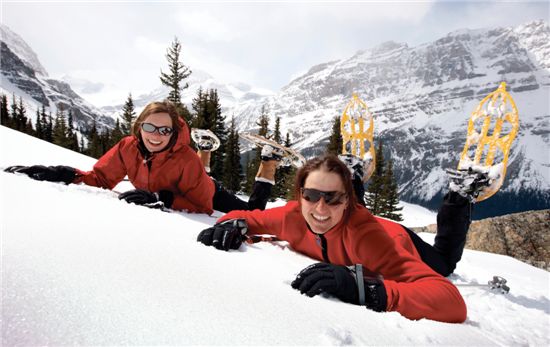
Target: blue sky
[(120, 46)]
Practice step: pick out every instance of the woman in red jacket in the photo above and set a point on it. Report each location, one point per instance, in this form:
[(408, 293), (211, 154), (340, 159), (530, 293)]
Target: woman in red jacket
[(364, 261), (161, 165)]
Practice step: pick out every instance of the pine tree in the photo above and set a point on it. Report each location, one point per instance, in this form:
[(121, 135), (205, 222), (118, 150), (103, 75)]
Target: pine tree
[(94, 146), (60, 129), (374, 194), (14, 114), (22, 117), (217, 126), (128, 116), (5, 118), (174, 79), (39, 127), (48, 129), (277, 137), (391, 200), (116, 134), (199, 119), (72, 138), (232, 161), (335, 140)]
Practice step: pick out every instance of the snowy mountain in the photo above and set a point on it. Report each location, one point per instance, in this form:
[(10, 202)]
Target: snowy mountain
[(422, 98), (22, 75), (230, 94), (81, 268)]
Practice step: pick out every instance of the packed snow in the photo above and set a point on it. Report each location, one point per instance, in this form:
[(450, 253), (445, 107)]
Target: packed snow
[(80, 267)]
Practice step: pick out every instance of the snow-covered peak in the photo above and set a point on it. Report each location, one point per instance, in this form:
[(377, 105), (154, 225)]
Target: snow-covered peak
[(22, 50)]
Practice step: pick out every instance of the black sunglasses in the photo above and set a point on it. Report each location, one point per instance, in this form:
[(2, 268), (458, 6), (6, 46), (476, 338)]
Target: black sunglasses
[(314, 195), (150, 128)]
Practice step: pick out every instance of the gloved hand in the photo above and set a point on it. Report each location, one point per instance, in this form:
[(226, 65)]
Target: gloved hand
[(327, 278), (226, 235), (58, 173), (340, 282), (163, 198)]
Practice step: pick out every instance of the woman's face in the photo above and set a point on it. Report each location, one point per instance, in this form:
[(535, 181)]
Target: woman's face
[(320, 216), (155, 141)]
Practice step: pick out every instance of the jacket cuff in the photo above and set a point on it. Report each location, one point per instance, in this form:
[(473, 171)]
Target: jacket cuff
[(167, 197)]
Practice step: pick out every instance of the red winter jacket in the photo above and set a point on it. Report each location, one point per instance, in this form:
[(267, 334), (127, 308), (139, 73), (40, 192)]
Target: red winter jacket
[(177, 169), (381, 246)]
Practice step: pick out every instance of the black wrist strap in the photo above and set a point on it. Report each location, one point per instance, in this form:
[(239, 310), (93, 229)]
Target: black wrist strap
[(360, 283)]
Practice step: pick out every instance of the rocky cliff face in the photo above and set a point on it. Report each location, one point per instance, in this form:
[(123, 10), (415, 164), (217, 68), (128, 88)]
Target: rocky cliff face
[(422, 98), (23, 75), (524, 236)]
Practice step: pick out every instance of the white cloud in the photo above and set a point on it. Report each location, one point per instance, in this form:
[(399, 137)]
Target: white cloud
[(205, 25)]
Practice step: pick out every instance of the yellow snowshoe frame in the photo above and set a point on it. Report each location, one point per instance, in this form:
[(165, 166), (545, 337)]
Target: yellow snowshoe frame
[(499, 108), (353, 123)]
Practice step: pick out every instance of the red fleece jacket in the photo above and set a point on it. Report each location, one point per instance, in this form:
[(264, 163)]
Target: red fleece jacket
[(177, 169), (381, 246)]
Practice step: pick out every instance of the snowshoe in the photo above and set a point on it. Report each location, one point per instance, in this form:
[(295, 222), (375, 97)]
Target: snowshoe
[(205, 139), (356, 136), (491, 130), (356, 165), (271, 153), (469, 183), (288, 156)]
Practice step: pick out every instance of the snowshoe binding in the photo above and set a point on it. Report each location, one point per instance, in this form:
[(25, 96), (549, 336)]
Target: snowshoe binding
[(271, 150), (491, 131), (205, 139), (358, 143)]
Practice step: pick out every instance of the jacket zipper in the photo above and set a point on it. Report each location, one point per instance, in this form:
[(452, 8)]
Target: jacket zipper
[(322, 242)]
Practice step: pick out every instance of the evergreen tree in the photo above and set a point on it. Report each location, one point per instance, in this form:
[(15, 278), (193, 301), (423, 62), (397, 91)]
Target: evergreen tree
[(94, 146), (128, 116), (174, 79), (39, 127), (335, 141), (200, 117), (60, 129), (72, 138), (390, 209), (22, 117), (375, 190), (48, 128), (277, 137), (5, 118), (14, 114), (232, 160), (217, 126), (116, 134)]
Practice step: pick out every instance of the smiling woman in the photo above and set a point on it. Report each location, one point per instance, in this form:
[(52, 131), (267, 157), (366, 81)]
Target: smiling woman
[(365, 260)]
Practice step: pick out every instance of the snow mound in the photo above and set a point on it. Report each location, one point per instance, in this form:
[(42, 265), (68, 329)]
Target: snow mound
[(80, 267)]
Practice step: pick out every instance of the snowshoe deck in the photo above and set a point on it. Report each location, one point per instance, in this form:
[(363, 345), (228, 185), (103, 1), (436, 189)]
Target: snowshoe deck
[(491, 130), (357, 129), (290, 156), (205, 139)]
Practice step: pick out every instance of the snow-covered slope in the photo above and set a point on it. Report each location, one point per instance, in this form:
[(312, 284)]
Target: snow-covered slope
[(80, 267)]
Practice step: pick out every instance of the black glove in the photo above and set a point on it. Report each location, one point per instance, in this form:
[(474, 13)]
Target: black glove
[(159, 200), (58, 173), (340, 281), (226, 235)]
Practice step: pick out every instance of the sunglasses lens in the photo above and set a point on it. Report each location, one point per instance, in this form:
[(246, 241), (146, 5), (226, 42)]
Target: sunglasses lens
[(150, 128), (314, 195), (311, 195), (147, 127), (165, 131)]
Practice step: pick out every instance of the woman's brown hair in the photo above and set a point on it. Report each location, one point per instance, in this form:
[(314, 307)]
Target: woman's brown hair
[(327, 163), (157, 107)]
